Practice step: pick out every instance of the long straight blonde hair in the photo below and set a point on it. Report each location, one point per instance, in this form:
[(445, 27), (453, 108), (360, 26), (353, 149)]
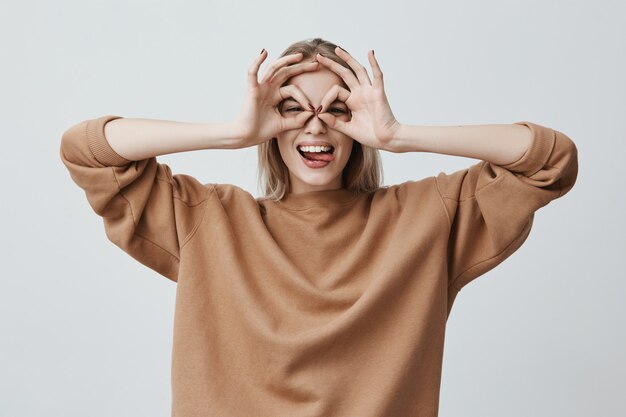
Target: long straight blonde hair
[(363, 171)]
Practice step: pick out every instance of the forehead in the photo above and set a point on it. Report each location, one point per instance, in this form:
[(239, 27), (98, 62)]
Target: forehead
[(315, 84)]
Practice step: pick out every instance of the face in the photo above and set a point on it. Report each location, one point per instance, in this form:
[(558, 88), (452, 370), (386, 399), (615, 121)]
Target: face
[(308, 175)]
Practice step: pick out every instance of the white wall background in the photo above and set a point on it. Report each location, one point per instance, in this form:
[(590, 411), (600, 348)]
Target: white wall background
[(86, 331)]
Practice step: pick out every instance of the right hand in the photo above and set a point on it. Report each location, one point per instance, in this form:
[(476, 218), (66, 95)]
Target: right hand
[(259, 119)]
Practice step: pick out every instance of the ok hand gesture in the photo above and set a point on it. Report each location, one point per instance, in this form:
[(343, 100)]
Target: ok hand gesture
[(372, 123), (259, 120)]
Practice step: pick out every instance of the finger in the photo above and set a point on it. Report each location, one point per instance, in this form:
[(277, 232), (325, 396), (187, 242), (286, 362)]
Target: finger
[(376, 71), (335, 93), (296, 122), (280, 62), (287, 72), (292, 91), (347, 75), (334, 123), (360, 70), (253, 71)]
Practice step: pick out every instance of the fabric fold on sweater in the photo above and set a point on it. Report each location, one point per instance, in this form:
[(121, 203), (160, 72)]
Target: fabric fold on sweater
[(326, 303)]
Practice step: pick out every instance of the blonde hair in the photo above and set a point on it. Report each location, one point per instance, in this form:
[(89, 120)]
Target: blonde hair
[(363, 171)]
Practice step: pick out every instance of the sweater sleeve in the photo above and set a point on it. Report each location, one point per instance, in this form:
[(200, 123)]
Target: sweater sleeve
[(147, 212), (491, 207)]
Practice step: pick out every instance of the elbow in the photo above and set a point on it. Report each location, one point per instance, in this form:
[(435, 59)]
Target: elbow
[(568, 157)]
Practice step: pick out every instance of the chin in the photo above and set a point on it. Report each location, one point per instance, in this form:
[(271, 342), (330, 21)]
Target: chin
[(317, 177), (318, 181)]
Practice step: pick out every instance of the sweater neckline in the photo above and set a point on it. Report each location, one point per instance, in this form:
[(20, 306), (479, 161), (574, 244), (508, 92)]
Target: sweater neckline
[(320, 198)]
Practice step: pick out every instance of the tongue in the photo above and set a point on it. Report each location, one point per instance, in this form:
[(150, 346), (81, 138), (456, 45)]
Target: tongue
[(318, 156)]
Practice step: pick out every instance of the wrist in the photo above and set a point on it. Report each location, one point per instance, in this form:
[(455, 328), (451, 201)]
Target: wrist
[(396, 143), (231, 135)]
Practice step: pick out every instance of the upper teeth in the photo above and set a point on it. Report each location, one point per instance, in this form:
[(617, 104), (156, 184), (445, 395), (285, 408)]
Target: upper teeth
[(315, 148)]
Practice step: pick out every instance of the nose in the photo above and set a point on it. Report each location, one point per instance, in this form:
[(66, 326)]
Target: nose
[(314, 125)]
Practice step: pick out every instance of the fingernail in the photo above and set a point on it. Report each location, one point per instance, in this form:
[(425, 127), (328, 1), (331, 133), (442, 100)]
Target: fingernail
[(372, 52), (319, 109), (311, 107), (262, 50)]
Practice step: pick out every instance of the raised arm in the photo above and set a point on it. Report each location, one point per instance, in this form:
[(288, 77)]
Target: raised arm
[(147, 211), (137, 139), (498, 143), (490, 205)]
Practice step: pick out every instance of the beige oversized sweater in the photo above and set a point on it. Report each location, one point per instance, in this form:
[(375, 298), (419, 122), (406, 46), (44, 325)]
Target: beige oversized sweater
[(326, 304)]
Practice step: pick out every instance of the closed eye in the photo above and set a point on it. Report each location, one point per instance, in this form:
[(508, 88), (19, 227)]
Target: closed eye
[(298, 108)]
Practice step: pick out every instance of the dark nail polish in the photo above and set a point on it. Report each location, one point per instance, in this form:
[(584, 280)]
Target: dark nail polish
[(319, 109), (262, 50), (372, 52), (311, 107)]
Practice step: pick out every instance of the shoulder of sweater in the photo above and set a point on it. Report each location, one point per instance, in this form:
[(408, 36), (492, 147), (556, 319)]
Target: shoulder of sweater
[(406, 192), (230, 193), (400, 190)]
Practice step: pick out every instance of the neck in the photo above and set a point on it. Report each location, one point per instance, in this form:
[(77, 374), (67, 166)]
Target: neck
[(297, 186), (318, 198)]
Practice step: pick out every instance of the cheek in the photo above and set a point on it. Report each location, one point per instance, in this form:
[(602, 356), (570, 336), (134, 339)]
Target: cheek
[(283, 151), (284, 140), (348, 148), (285, 144)]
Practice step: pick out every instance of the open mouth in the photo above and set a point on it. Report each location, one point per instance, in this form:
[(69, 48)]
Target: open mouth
[(317, 153)]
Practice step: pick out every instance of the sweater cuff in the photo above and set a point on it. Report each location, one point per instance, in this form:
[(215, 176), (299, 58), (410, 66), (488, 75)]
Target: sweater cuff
[(98, 144), (537, 154)]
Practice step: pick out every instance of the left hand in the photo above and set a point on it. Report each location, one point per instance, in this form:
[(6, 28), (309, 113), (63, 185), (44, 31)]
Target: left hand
[(373, 123)]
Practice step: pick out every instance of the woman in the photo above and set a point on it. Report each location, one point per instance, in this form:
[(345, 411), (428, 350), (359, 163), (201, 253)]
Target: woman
[(329, 295)]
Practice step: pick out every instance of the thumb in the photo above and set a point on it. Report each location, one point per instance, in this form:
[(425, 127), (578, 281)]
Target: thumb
[(296, 122), (334, 123)]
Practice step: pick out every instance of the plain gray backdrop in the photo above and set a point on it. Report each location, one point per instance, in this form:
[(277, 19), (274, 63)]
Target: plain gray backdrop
[(85, 330)]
